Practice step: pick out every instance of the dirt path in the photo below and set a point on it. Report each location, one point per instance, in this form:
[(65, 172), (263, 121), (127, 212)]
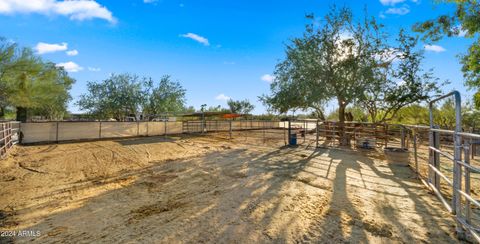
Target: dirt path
[(197, 190)]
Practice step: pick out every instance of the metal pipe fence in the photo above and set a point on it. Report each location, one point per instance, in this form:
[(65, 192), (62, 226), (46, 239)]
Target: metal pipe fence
[(442, 159)]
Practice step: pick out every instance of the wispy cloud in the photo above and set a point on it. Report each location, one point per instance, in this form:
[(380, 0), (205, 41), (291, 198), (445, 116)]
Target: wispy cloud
[(197, 38), (398, 11), (73, 52), (70, 66), (149, 1), (222, 97), (93, 69), (74, 9), (268, 78), (391, 2), (434, 48), (43, 47)]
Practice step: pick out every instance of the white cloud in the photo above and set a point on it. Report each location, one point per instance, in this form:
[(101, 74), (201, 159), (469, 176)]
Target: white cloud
[(268, 78), (43, 47), (197, 38), (70, 66), (222, 97), (462, 33), (399, 11), (73, 52), (93, 69), (74, 9), (390, 2), (435, 48)]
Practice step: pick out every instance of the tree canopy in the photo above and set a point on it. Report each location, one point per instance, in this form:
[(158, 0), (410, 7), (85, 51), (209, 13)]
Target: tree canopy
[(240, 106), (30, 84), (123, 95), (350, 62), (464, 21)]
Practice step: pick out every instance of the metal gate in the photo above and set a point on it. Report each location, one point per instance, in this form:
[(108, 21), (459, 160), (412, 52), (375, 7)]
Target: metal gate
[(462, 201)]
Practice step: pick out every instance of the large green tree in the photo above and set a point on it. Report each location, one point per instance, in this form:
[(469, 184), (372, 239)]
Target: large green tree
[(166, 97), (240, 106), (123, 95), (398, 80), (463, 21), (31, 85), (350, 62), (118, 97)]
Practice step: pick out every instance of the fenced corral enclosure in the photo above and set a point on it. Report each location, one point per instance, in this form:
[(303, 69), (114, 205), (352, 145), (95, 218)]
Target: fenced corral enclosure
[(446, 161)]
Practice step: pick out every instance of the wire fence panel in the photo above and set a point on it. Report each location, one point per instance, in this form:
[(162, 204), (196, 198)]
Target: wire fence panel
[(7, 138)]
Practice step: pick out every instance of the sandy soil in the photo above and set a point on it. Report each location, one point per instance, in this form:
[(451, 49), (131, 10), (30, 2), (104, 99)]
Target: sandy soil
[(196, 190)]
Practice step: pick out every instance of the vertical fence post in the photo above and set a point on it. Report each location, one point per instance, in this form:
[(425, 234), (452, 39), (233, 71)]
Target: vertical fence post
[(415, 153), (138, 128), (304, 131), (289, 131), (10, 132), (263, 125), (403, 135), (165, 128), (230, 130), (457, 178), (468, 210), (3, 148), (56, 133), (147, 127), (100, 130), (385, 127), (436, 158)]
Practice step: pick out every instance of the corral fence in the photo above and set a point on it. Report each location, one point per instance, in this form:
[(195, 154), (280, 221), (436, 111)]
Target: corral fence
[(445, 160), (8, 136), (452, 169)]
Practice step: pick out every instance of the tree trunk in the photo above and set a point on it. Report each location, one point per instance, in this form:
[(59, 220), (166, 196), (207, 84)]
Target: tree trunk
[(2, 113), (344, 139), (21, 114)]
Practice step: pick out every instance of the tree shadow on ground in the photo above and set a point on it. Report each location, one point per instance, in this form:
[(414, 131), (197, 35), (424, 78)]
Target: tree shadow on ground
[(245, 195)]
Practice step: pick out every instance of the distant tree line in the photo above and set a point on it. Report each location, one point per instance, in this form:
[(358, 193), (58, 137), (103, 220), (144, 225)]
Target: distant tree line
[(123, 96), (30, 85)]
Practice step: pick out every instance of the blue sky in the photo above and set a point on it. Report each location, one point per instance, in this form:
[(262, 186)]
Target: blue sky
[(216, 49)]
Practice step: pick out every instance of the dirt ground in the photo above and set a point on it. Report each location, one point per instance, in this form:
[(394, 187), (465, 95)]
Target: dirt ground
[(199, 189)]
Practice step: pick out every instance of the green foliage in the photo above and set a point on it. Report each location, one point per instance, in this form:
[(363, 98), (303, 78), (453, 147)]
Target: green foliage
[(316, 70), (27, 82), (398, 81), (466, 19), (356, 113), (414, 114), (168, 96), (217, 108), (124, 95), (116, 97), (240, 107), (351, 62), (476, 100)]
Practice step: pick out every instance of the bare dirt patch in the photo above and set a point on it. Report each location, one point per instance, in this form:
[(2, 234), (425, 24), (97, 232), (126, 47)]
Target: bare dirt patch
[(195, 190)]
